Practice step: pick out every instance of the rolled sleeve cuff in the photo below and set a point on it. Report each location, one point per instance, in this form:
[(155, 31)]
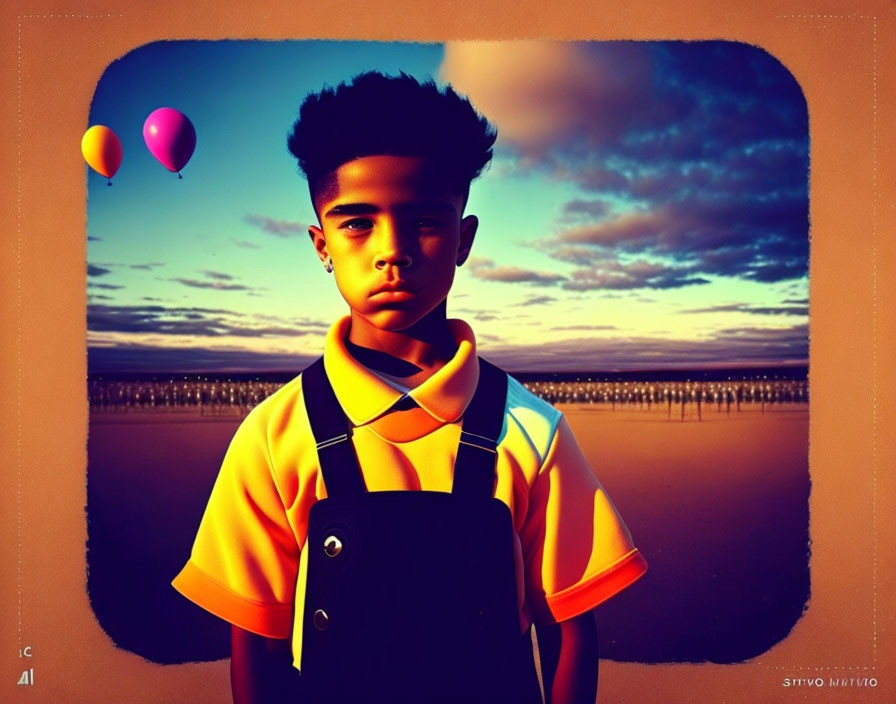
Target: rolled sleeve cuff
[(269, 620), (584, 596)]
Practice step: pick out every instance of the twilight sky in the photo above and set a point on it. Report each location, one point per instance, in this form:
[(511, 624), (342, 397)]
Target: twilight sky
[(647, 206)]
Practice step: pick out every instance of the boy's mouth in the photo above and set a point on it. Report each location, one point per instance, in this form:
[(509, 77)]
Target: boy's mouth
[(393, 296), (391, 292), (391, 288)]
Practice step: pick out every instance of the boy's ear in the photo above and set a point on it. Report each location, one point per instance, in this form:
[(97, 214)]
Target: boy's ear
[(319, 242), (468, 228)]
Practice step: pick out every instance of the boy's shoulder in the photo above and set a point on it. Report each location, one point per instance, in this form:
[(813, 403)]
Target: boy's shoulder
[(530, 415), (279, 405), (522, 401)]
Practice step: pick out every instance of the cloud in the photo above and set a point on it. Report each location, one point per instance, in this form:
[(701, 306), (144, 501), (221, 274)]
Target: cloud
[(582, 255), (676, 99), (763, 240), (476, 311), (216, 285), (760, 335), (246, 245), (194, 321), (755, 310), (731, 347), (541, 93), (303, 322), (91, 238), (536, 301), (632, 229), (106, 267), (578, 208), (137, 358), (221, 276), (107, 287), (486, 270), (279, 228), (692, 152), (93, 270), (614, 275)]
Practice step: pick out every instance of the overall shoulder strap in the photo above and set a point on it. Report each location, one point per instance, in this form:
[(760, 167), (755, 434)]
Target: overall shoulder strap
[(332, 433), (474, 467)]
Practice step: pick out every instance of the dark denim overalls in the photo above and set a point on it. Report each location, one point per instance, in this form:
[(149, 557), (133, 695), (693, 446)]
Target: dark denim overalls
[(411, 595)]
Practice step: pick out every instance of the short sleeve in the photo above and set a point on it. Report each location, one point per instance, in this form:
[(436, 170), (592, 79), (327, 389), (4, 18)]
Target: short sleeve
[(245, 558), (577, 551)]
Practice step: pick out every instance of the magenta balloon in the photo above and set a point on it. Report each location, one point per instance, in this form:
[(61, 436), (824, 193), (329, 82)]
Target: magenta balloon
[(170, 137)]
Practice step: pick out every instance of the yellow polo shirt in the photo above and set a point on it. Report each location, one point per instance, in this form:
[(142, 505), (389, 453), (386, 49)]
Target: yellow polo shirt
[(248, 562)]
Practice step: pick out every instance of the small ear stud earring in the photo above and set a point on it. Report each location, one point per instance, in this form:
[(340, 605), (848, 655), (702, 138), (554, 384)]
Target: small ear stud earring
[(329, 265)]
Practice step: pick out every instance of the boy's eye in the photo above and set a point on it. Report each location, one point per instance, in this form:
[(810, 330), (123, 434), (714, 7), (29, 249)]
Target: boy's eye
[(356, 224), (427, 223)]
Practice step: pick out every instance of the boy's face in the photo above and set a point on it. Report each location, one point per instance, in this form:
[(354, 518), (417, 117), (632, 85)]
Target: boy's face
[(395, 233)]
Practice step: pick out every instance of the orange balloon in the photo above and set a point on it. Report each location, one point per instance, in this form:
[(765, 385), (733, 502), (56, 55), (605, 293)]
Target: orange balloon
[(102, 150)]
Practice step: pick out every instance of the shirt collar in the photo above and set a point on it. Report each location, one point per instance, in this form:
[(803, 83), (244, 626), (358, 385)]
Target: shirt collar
[(365, 397)]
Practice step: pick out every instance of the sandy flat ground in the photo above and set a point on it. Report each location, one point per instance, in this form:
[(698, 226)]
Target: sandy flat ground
[(719, 507)]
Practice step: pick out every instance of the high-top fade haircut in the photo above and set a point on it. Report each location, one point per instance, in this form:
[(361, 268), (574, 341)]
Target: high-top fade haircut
[(376, 114)]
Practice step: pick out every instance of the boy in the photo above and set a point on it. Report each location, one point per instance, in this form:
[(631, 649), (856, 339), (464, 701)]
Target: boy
[(393, 521)]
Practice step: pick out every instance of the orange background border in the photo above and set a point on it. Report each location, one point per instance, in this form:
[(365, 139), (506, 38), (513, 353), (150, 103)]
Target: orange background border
[(53, 54)]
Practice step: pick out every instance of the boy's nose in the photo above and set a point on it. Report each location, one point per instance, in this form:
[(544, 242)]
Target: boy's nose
[(399, 259), (390, 250)]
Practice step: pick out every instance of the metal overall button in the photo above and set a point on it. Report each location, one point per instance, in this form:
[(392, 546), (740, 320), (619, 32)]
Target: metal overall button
[(321, 620), (332, 546)]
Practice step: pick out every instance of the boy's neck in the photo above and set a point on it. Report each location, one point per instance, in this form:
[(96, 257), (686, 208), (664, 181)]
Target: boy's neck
[(411, 355)]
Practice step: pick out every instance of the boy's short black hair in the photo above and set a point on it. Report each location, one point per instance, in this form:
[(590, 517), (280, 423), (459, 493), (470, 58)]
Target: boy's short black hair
[(377, 114)]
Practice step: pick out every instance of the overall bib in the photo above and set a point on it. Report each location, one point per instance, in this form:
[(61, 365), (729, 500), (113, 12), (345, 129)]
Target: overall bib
[(411, 595)]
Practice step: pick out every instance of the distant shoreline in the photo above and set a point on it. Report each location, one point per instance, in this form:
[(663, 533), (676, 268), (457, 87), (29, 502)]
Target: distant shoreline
[(797, 372)]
